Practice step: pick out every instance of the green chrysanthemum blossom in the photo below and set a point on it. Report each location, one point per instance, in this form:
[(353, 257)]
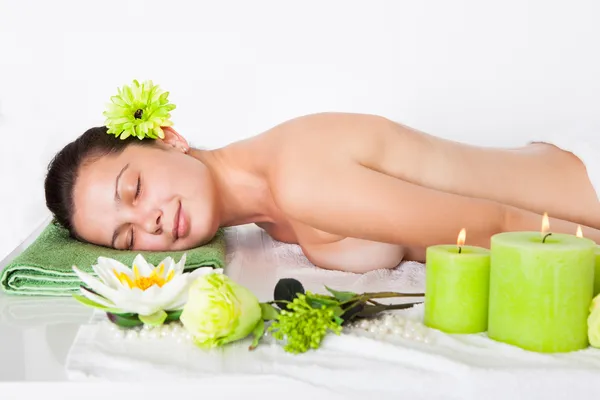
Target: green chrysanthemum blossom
[(140, 111), (304, 327)]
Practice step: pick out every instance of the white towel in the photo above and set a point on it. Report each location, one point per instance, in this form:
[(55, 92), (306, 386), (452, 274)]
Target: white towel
[(586, 148), (353, 364)]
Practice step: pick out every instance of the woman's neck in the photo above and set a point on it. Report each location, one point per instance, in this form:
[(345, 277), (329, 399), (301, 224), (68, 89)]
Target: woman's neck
[(243, 193)]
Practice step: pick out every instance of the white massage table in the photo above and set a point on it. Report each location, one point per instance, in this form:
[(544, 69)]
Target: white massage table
[(79, 346)]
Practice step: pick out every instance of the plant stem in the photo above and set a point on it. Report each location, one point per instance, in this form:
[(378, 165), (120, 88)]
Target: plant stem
[(381, 295), (377, 309)]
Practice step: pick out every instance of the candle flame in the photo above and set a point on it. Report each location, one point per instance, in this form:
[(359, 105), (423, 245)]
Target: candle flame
[(579, 232), (462, 236), (545, 224)]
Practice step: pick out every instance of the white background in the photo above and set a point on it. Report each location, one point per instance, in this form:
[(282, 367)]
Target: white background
[(483, 72)]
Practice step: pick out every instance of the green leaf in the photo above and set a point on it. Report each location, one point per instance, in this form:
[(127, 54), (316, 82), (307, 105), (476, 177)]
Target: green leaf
[(320, 302), (173, 315), (338, 320), (155, 319), (87, 302), (124, 320), (341, 296), (258, 333), (268, 312)]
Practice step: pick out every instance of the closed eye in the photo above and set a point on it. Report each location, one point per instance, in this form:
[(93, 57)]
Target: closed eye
[(139, 188)]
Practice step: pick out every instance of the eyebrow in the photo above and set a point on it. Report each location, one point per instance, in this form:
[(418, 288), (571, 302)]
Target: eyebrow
[(117, 199)]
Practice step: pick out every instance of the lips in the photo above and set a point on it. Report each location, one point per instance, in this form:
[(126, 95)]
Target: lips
[(180, 224), (176, 223)]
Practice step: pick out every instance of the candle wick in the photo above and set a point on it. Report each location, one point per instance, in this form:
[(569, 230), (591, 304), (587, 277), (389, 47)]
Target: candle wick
[(459, 249), (544, 239)]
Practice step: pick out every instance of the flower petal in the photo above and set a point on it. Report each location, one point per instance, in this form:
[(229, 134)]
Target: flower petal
[(97, 286), (181, 263), (173, 290), (107, 275), (111, 263), (96, 299), (142, 265), (198, 272)]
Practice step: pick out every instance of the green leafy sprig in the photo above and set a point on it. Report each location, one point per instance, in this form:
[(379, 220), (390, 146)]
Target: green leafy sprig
[(302, 319)]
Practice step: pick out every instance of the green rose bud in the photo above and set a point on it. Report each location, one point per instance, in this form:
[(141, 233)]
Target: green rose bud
[(594, 323), (219, 311)]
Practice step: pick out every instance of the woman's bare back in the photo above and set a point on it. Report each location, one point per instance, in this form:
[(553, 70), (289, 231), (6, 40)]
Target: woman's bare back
[(538, 178)]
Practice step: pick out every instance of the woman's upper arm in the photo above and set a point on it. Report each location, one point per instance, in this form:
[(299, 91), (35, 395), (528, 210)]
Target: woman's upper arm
[(362, 203)]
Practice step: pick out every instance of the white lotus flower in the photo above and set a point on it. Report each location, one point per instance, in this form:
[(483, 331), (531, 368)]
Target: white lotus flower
[(143, 289)]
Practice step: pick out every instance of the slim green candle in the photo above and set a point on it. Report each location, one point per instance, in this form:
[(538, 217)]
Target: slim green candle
[(541, 288), (457, 288)]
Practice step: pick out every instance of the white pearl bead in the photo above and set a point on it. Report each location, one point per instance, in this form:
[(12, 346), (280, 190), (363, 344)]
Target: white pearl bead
[(176, 329), (143, 334), (407, 335), (118, 334), (112, 327), (373, 329), (146, 327), (427, 340), (131, 334), (398, 330), (153, 334), (188, 336)]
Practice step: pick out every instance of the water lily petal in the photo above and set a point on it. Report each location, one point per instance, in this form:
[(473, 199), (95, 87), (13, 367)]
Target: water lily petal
[(173, 289), (177, 303), (97, 299), (168, 264), (142, 265), (152, 293), (107, 275), (112, 263), (134, 302), (180, 266), (97, 286)]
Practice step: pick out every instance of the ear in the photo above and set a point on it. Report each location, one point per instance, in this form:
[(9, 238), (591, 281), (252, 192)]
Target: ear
[(174, 140)]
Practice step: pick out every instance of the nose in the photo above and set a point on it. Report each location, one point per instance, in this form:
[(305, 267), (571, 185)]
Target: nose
[(152, 222)]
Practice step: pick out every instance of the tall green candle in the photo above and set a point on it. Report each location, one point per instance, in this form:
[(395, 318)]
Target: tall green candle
[(597, 264), (457, 288), (540, 290)]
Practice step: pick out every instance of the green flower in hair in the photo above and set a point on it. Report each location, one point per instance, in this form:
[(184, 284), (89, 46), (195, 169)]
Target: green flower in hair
[(140, 111)]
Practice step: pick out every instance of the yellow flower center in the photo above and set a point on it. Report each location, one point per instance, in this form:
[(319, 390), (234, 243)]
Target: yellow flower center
[(157, 277)]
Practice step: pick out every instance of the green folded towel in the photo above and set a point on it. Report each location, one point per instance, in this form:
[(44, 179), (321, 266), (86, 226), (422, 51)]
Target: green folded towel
[(45, 267)]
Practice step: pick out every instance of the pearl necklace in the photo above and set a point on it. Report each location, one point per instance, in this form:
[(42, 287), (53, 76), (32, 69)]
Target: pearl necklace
[(385, 327), (388, 327), (174, 330)]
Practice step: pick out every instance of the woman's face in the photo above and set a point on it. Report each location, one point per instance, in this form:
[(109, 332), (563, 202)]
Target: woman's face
[(145, 198)]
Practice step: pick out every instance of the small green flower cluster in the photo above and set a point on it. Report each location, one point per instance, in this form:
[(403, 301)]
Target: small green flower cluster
[(304, 327)]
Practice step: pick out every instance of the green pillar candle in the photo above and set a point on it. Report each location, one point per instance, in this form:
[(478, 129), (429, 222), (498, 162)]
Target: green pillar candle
[(540, 290), (457, 288)]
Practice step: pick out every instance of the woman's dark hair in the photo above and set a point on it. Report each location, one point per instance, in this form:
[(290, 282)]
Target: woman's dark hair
[(64, 169)]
